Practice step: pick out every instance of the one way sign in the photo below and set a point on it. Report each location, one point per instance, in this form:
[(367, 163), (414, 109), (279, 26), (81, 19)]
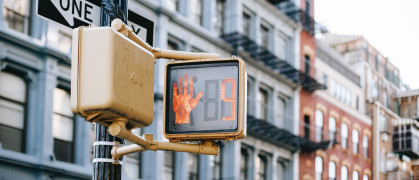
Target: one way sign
[(71, 13), (76, 13)]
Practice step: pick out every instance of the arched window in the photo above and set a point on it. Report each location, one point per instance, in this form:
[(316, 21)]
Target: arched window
[(344, 135), (365, 145), (355, 175), (365, 177), (332, 170), (319, 125), (344, 173), (355, 141), (332, 128), (318, 167)]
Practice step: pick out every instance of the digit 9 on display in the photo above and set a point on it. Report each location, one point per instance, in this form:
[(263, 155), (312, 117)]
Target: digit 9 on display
[(205, 99)]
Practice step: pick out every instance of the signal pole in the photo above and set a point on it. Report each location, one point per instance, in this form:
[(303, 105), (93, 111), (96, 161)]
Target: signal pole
[(103, 167)]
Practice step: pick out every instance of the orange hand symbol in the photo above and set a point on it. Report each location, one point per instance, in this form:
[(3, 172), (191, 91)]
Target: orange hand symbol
[(183, 103)]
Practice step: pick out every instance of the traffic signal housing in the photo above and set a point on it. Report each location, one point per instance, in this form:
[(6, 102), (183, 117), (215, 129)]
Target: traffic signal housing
[(205, 100), (112, 77)]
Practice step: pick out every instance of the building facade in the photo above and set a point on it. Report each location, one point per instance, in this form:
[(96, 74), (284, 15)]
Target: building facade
[(42, 139), (380, 80)]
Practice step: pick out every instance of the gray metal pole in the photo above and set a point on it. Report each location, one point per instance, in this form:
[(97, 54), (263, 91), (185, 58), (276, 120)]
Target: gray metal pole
[(103, 169)]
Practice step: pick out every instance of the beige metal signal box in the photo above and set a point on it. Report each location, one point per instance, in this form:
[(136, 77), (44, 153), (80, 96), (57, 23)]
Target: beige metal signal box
[(111, 77)]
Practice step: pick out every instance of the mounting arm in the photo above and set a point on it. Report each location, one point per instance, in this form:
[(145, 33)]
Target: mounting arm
[(118, 129), (122, 28)]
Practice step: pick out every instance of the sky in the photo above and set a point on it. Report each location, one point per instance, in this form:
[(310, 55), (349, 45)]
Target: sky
[(391, 26)]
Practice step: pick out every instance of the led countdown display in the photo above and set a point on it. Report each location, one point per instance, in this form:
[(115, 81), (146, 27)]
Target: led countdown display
[(203, 97)]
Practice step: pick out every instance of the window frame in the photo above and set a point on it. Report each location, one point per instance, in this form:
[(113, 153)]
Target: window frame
[(344, 136), (332, 174), (319, 129), (26, 18), (318, 167), (355, 141), (61, 85), (365, 145), (23, 75)]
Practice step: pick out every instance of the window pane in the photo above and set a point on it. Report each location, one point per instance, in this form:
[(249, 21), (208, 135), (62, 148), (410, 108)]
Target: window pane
[(365, 177), (355, 175), (355, 136), (263, 94), (172, 5), (131, 165), (319, 125), (219, 19), (318, 164), (332, 170), (196, 11), (62, 127), (332, 127), (193, 166), (344, 173), (168, 165), (246, 24), (62, 102), (261, 168), (12, 87), (264, 33), (11, 114), (11, 138), (243, 164), (63, 150), (15, 13)]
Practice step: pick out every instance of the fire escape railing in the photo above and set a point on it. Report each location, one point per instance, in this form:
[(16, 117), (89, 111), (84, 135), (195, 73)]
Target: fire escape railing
[(295, 13), (259, 53)]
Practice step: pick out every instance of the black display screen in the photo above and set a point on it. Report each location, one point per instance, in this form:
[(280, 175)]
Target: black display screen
[(202, 97)]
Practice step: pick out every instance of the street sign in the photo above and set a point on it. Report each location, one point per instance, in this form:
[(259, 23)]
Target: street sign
[(76, 13), (205, 100), (70, 13)]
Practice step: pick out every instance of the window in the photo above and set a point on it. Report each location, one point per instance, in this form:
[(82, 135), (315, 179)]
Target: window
[(332, 170), (324, 79), (244, 159), (306, 126), (219, 19), (63, 126), (365, 145), (196, 11), (318, 167), (319, 125), (264, 33), (307, 10), (344, 173), (169, 161), (307, 64), (280, 112), (344, 135), (332, 128), (216, 166), (16, 14), (172, 5), (365, 177), (193, 161), (261, 164), (281, 46), (12, 111), (357, 103), (246, 24), (64, 40), (132, 162), (355, 175), (382, 160), (377, 62), (281, 172), (383, 123), (263, 104), (355, 140)]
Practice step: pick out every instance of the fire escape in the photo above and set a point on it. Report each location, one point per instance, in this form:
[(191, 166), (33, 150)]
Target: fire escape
[(405, 137), (261, 128)]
